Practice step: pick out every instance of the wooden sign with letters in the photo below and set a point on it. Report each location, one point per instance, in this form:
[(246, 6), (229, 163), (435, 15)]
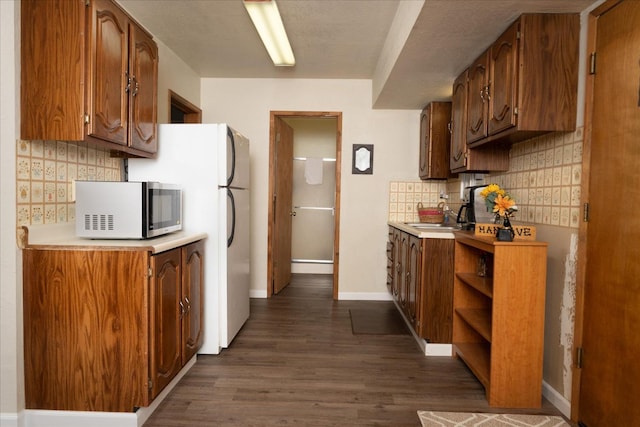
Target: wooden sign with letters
[(523, 232)]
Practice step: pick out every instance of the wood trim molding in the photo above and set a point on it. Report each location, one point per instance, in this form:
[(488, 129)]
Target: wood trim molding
[(192, 113)]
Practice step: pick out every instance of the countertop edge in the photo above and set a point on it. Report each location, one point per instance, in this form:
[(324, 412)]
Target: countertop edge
[(62, 237), (422, 234)]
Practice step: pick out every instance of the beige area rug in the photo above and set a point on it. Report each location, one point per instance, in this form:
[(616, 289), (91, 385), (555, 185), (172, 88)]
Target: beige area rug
[(469, 419)]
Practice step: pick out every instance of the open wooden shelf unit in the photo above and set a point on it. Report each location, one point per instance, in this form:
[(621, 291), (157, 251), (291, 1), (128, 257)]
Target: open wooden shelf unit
[(498, 321)]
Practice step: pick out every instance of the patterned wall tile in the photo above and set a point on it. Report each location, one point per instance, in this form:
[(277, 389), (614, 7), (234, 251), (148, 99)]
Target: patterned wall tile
[(544, 177), (44, 174), (404, 197), (549, 190)]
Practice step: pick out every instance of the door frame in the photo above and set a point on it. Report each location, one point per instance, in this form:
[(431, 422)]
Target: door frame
[(581, 263), (192, 113), (272, 179)]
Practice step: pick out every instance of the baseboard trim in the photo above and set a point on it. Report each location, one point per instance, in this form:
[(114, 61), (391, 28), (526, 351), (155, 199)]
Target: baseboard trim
[(253, 293), (438, 349), (9, 419), (48, 418), (556, 399), (364, 296), (311, 268)]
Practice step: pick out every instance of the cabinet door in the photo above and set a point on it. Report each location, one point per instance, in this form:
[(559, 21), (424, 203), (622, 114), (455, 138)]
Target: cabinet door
[(435, 141), (402, 273), (390, 261), (107, 77), (397, 257), (477, 99), (413, 278), (435, 310), (52, 68), (425, 143), (165, 312), (458, 123), (143, 72), (85, 330), (503, 78), (192, 299)]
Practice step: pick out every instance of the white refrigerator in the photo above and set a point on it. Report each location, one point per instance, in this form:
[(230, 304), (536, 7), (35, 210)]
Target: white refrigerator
[(211, 164)]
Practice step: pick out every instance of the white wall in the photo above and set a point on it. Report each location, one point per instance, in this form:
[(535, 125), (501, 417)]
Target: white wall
[(174, 74), (10, 290), (246, 104)]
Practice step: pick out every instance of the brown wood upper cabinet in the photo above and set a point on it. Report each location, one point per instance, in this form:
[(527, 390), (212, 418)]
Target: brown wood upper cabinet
[(526, 83), (435, 141), (88, 73), (464, 158)]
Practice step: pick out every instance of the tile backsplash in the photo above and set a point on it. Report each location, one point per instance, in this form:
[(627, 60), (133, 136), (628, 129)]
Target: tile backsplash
[(404, 197), (544, 178), (44, 174)]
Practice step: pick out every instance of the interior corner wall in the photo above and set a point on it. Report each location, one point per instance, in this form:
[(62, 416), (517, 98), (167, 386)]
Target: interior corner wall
[(175, 75), (245, 104), (11, 366)]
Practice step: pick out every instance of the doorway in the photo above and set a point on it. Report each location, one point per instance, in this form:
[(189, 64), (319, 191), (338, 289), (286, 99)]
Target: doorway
[(183, 111), (605, 380), (282, 210)]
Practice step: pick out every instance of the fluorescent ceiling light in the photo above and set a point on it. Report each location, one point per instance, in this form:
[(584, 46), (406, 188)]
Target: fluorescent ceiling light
[(266, 19)]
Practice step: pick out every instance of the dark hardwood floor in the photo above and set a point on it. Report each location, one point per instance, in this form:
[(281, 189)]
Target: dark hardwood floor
[(297, 363)]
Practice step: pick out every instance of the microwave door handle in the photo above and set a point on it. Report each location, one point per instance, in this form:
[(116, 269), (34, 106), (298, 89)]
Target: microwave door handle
[(233, 217), (231, 141)]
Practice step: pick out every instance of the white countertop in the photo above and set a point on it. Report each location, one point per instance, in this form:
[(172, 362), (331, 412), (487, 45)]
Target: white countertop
[(431, 233), (62, 236)]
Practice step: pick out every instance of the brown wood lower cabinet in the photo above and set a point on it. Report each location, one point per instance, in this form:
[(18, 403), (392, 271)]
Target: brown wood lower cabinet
[(420, 279), (106, 330), (176, 288)]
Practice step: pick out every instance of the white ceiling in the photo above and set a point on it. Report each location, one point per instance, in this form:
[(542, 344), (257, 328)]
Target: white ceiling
[(412, 50)]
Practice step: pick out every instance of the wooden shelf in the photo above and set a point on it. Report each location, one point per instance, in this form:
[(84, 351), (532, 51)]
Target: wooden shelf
[(481, 284), (498, 322), (477, 357), (478, 319)]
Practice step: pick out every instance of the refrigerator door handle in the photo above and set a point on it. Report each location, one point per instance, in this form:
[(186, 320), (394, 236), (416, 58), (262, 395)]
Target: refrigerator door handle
[(232, 141), (233, 217)]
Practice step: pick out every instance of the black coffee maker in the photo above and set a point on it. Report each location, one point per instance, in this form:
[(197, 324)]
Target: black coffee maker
[(471, 202)]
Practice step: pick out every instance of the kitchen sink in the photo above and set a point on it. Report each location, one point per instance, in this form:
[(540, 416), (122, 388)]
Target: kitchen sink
[(429, 226)]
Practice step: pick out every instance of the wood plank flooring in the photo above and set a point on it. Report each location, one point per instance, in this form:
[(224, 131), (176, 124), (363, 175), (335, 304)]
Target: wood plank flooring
[(297, 363)]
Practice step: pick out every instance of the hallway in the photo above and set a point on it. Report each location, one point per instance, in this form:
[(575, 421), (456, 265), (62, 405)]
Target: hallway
[(297, 363)]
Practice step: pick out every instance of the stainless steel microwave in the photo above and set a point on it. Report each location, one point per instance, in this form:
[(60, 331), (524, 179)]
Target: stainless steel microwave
[(127, 210)]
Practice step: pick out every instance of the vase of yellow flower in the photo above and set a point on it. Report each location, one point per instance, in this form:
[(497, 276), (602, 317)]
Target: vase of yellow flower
[(503, 205)]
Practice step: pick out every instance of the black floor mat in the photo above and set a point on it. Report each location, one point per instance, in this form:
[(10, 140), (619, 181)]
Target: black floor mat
[(378, 320)]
